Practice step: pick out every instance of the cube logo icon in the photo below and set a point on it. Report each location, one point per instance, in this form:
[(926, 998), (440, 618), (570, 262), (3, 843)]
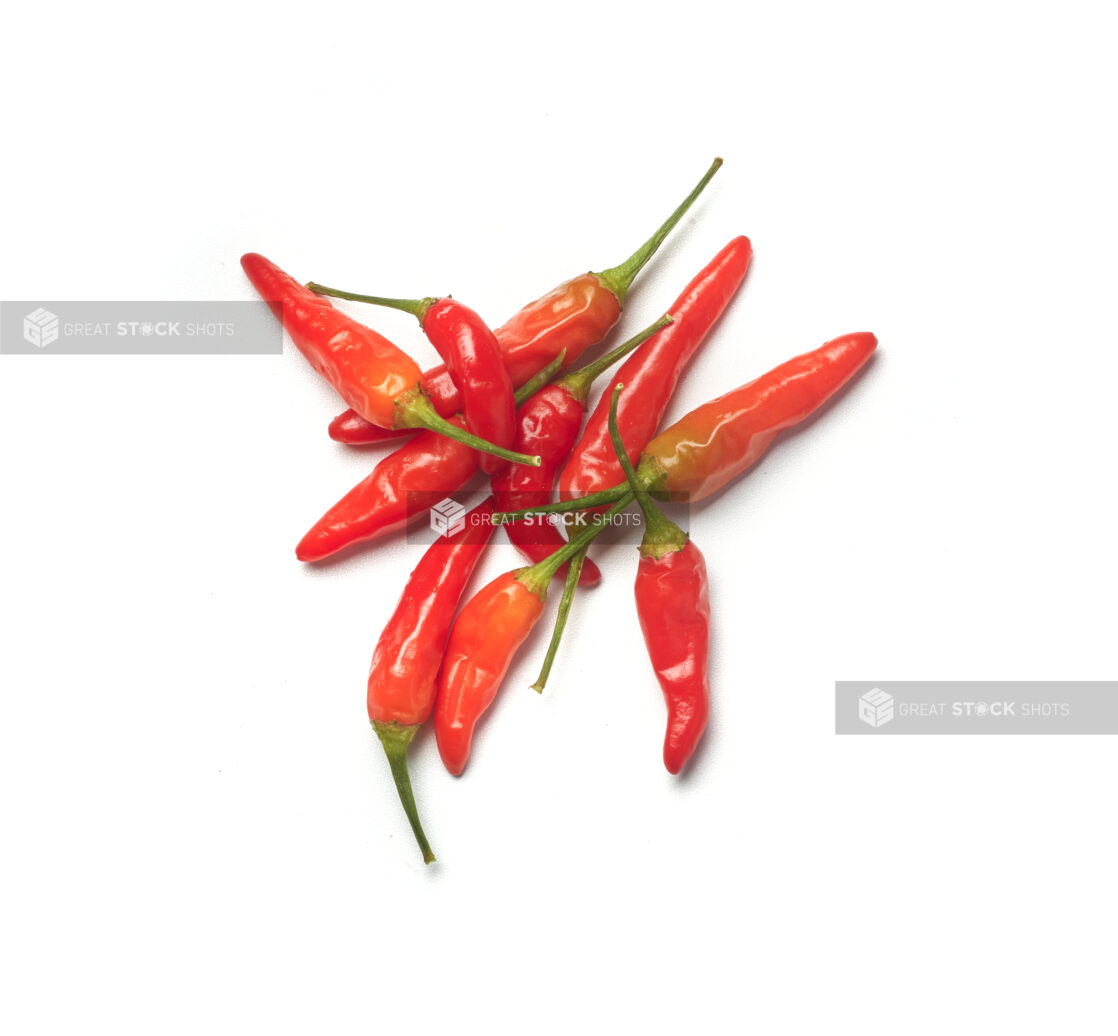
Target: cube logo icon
[(875, 707), (40, 328), (448, 517)]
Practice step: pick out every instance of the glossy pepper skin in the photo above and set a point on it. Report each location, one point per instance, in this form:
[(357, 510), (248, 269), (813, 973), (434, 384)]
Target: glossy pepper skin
[(568, 319), (401, 686), (474, 359), (716, 442), (673, 606), (482, 642), (351, 428), (401, 487), (406, 482), (366, 369), (382, 383), (550, 420), (485, 636), (651, 374)]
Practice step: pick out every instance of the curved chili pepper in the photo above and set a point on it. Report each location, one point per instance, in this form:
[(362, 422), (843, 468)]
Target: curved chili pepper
[(473, 358), (548, 424), (350, 428), (570, 318), (652, 373), (381, 382), (485, 636), (401, 688), (673, 606), (400, 488), (719, 440), (472, 355)]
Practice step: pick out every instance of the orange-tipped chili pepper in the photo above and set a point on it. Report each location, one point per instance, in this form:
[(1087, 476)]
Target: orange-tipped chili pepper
[(482, 642), (401, 689), (673, 606), (652, 374), (400, 488), (548, 424), (569, 319), (485, 636), (381, 382), (716, 442), (473, 358)]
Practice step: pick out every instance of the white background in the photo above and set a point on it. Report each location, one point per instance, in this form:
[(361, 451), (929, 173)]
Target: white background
[(200, 832)]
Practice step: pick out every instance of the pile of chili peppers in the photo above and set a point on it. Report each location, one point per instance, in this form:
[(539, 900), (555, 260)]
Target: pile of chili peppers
[(510, 403)]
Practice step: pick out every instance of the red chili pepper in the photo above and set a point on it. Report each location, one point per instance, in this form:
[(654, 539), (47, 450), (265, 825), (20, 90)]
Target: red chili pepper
[(571, 318), (674, 611), (401, 690), (471, 352), (716, 442), (350, 428), (548, 424), (652, 373), (381, 382), (719, 440), (473, 358), (400, 488), (484, 638), (673, 606)]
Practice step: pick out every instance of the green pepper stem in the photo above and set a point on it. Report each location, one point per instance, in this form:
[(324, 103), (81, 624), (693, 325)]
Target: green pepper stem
[(415, 410), (618, 279), (580, 503), (578, 382), (661, 535), (539, 379), (395, 739), (416, 307), (538, 577), (569, 588)]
